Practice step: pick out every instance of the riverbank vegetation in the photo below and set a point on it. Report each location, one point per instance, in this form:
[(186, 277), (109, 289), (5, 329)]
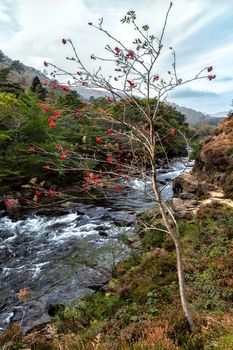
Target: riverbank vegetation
[(100, 144), (45, 138), (140, 306)]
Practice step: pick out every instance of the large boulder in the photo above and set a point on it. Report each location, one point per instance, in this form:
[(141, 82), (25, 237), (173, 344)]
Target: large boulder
[(187, 184)]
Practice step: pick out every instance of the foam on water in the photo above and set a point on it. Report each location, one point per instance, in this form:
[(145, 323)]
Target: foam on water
[(38, 250), (73, 230)]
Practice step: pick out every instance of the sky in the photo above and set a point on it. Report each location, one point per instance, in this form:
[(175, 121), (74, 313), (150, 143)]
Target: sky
[(200, 31)]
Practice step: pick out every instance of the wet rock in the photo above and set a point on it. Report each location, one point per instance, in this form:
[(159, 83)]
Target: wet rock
[(97, 213), (6, 254), (103, 233), (123, 219), (167, 179), (107, 217), (82, 221), (162, 182), (81, 212), (165, 170)]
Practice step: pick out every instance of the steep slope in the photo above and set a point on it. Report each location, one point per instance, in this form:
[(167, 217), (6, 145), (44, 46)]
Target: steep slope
[(215, 160), (194, 117), (19, 73)]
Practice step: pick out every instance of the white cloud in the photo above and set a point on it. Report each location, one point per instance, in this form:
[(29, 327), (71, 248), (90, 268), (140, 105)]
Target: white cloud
[(41, 25)]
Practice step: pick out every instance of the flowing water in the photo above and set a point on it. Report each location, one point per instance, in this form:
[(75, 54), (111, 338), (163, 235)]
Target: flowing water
[(61, 258)]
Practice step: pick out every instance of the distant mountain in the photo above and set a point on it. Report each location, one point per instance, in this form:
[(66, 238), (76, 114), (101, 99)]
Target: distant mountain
[(23, 75), (19, 72), (87, 93), (194, 117), (222, 114)]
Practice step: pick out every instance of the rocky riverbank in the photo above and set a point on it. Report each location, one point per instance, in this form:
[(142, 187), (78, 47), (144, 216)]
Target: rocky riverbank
[(214, 162), (139, 308), (191, 195), (62, 253)]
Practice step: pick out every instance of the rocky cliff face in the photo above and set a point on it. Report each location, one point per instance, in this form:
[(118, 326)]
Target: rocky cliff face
[(215, 160), (19, 72)]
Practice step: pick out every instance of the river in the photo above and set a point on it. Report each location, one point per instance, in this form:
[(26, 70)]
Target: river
[(61, 258)]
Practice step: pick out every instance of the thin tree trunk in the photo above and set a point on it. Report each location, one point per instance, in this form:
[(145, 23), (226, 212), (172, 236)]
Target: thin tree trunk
[(183, 297), (173, 232)]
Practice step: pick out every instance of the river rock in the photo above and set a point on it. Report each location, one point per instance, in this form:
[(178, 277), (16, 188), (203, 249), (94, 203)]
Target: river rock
[(162, 182), (123, 218), (167, 179), (165, 170), (103, 233), (6, 254), (190, 184)]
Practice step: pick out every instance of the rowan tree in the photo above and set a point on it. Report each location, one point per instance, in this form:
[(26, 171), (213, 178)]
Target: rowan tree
[(131, 129)]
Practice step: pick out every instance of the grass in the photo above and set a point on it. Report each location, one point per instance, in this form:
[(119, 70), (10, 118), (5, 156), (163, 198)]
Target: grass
[(141, 307)]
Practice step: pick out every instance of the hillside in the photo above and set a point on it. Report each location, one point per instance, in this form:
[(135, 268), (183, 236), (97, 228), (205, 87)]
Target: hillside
[(215, 160), (194, 117), (221, 114), (23, 75), (19, 72)]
